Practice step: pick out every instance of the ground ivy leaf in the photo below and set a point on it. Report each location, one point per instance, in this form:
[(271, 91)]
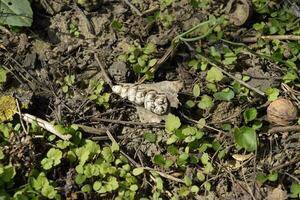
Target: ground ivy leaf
[(295, 189), (196, 90), (2, 75), (97, 185), (190, 104), (137, 171), (214, 75), (250, 114), (159, 183), (204, 158), (172, 123), (245, 137), (108, 154), (225, 95), (115, 147), (205, 102), (272, 94), (151, 137), (159, 159)]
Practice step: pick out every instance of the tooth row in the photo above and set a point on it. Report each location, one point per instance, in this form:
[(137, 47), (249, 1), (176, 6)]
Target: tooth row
[(150, 99)]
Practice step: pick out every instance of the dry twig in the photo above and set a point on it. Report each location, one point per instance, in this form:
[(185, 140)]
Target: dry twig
[(133, 8), (271, 37)]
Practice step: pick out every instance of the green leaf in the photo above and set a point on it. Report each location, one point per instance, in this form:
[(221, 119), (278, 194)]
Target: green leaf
[(215, 53), (16, 13), (208, 168), (134, 187), (173, 150), (273, 177), (272, 94), (159, 183), (205, 158), (188, 181), (152, 62), (295, 189), (230, 58), (8, 174), (137, 171), (172, 123), (250, 114), (2, 75), (159, 159), (97, 185), (49, 191), (290, 76), (214, 75), (115, 147), (1, 154), (108, 154), (190, 104), (62, 144), (149, 48), (195, 189), (86, 188), (116, 25), (172, 139), (245, 137), (196, 90), (207, 185), (55, 155), (201, 123), (205, 102), (225, 95), (47, 163), (80, 179), (151, 137)]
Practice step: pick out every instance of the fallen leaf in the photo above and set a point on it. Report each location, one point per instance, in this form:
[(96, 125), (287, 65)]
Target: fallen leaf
[(241, 158), (277, 194)]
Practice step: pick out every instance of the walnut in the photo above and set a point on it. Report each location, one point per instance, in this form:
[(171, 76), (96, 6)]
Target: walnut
[(281, 112)]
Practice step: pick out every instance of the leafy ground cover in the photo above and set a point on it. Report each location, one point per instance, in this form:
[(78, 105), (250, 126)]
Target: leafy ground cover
[(232, 134)]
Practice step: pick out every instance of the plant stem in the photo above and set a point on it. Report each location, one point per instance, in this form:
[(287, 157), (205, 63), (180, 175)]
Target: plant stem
[(231, 76)]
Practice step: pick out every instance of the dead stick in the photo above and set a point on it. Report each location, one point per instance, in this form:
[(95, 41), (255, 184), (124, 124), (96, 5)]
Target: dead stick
[(133, 8), (271, 37), (92, 130), (165, 175), (284, 129), (165, 57), (101, 65), (158, 125)]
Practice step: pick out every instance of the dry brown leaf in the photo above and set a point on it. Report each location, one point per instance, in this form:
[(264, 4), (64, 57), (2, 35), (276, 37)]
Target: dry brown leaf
[(241, 158), (277, 194)]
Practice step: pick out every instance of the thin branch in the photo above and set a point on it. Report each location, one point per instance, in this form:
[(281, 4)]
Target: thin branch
[(92, 130), (20, 115), (158, 125), (284, 129), (271, 37), (233, 77), (165, 175), (133, 8), (106, 77)]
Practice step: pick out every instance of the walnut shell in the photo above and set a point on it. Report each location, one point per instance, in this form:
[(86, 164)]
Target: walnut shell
[(281, 112)]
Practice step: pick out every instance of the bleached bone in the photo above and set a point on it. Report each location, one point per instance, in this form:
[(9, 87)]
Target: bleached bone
[(150, 99)]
